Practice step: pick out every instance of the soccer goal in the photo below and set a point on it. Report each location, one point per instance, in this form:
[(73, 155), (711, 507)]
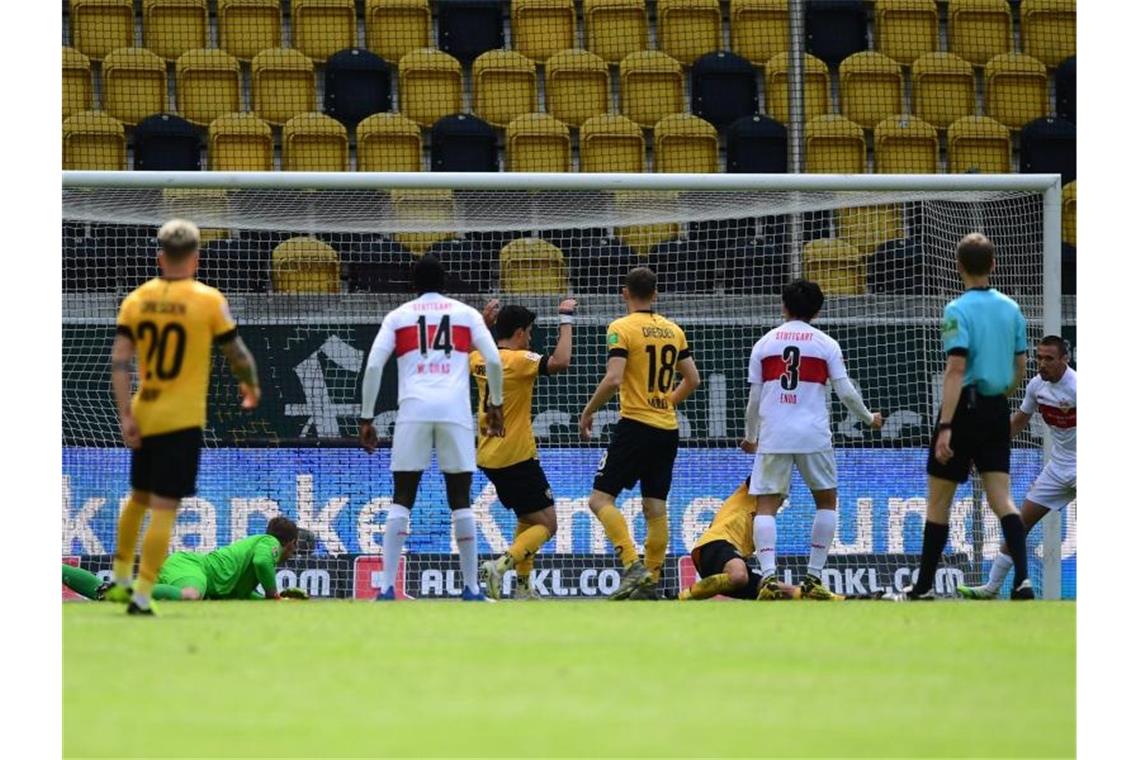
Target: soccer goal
[(312, 262)]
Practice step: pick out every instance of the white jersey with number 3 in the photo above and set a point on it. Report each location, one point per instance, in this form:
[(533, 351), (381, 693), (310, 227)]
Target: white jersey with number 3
[(1057, 403)]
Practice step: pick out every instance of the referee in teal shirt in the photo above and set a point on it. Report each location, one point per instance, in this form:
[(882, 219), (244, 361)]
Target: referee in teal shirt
[(983, 335)]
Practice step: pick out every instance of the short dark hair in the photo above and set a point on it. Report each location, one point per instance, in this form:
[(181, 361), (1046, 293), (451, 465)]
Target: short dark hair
[(803, 299), (1057, 342), (283, 529), (976, 254), (511, 318), (428, 275), (641, 282)]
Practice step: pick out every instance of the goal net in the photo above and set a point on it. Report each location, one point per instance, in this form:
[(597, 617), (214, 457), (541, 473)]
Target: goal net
[(311, 264)]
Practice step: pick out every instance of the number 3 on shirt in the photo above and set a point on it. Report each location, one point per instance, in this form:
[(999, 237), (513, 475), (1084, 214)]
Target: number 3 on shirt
[(791, 377)]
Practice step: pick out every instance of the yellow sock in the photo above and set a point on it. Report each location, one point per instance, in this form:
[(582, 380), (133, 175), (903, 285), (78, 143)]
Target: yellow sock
[(156, 543), (707, 588), (527, 544), (617, 531), (127, 540), (523, 566), (656, 542)]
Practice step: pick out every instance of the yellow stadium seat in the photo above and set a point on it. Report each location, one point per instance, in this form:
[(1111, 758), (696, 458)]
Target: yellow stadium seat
[(978, 144), (240, 142), (577, 86), (303, 265), (94, 140), (134, 84), (615, 28), (313, 142), (193, 203), (868, 227), (1069, 213), (541, 28), (611, 143), (942, 89), (431, 86), (395, 27), (1049, 30), (246, 27), (980, 29), (906, 29), (208, 85), (905, 145), (505, 86), (685, 143), (651, 87), (817, 87), (431, 208), (532, 265), (837, 266), (643, 238), (870, 88), (100, 26), (171, 27), (834, 145), (388, 142), (1017, 89), (759, 28), (323, 27), (283, 85), (78, 92), (538, 142), (687, 29)]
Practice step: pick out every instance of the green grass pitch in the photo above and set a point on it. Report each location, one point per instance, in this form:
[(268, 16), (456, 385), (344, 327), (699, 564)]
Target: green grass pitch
[(321, 679)]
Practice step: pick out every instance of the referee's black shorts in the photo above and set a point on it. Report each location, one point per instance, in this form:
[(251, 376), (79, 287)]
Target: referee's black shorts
[(522, 487), (979, 435), (166, 465), (638, 453)]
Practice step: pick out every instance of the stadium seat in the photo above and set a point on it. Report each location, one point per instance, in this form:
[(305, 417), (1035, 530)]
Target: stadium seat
[(100, 26), (424, 207), (817, 88), (134, 84), (906, 29), (835, 29), (505, 85), (1065, 84), (541, 28), (651, 87), (895, 268), (463, 143), (246, 27), (978, 144), (395, 27), (615, 28), (313, 142), (235, 266), (905, 145), (208, 85), (685, 143), (171, 27), (1049, 30), (756, 145), (980, 29), (376, 264), (78, 91), (322, 27), (1049, 146), (577, 86), (759, 28), (870, 88), (757, 267), (532, 265), (643, 238), (166, 143), (834, 144), (469, 28), (431, 86), (283, 85), (598, 264), (388, 142), (685, 266), (240, 142), (838, 267), (942, 89), (1069, 213), (722, 88), (538, 142), (358, 83), (94, 140), (200, 204), (688, 29), (303, 265), (1017, 89), (611, 143), (868, 227)]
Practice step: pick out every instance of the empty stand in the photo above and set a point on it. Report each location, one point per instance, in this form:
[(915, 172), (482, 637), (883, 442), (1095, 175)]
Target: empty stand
[(1049, 146), (305, 265), (378, 265), (870, 88), (240, 142), (431, 86), (896, 268), (388, 142), (611, 143), (538, 142), (314, 142), (436, 207), (683, 142), (651, 87), (868, 227), (834, 144), (395, 27), (236, 265), (166, 143), (758, 28), (978, 144), (208, 84), (980, 29), (469, 28), (835, 29), (1049, 30), (817, 88), (906, 145), (1017, 89), (1065, 84), (171, 27), (323, 27), (906, 29), (463, 143), (505, 86), (615, 28), (247, 27), (688, 29), (838, 267), (541, 28), (723, 88), (577, 86), (757, 267), (942, 89), (643, 238), (77, 89), (358, 83), (94, 140), (283, 85), (533, 265), (100, 26), (134, 84), (598, 264), (686, 266), (1069, 213), (756, 145)]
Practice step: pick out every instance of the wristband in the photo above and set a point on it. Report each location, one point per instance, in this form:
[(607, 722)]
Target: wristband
[(565, 318), (945, 426)]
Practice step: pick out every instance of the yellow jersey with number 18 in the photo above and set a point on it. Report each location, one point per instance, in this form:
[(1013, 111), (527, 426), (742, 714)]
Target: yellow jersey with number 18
[(651, 346)]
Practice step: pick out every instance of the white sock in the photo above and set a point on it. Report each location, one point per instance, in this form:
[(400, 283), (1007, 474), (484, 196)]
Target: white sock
[(463, 524), (395, 532), (822, 534), (142, 602), (1003, 563), (764, 536)]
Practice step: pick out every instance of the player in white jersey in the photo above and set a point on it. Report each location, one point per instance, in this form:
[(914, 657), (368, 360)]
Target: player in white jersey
[(788, 422), (1053, 393), (432, 337)]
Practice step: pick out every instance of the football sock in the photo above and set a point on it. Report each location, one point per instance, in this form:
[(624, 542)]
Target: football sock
[(126, 540), (523, 566), (764, 536), (617, 531), (463, 525), (527, 544), (934, 537), (998, 570), (1014, 532), (80, 581), (167, 592), (395, 533), (156, 543), (822, 534), (656, 541), (707, 588)]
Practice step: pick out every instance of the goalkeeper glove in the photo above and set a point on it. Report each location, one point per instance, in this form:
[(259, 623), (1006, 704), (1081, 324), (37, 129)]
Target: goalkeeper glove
[(293, 593)]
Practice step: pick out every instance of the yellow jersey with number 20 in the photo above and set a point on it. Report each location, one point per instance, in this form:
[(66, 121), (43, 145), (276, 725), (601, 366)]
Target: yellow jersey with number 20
[(651, 346)]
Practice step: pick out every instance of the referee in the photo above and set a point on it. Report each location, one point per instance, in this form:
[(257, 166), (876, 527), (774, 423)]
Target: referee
[(983, 335)]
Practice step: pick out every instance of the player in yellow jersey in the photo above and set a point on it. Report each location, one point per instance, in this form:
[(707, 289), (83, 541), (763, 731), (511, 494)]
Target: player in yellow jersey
[(170, 323), (646, 352), (510, 461)]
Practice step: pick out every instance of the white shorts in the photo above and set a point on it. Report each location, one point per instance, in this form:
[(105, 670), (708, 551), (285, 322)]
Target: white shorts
[(1054, 488), (772, 473), (412, 443)]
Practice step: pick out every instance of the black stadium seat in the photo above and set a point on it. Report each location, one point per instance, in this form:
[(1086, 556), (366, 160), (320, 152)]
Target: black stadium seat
[(1049, 146), (1065, 82), (835, 29), (358, 83), (463, 143), (469, 28), (167, 143), (723, 87), (756, 145)]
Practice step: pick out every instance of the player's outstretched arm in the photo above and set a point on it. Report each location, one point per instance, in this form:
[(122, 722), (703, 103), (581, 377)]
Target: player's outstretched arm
[(690, 380), (1018, 421), (122, 361), (559, 361), (607, 387), (244, 370), (853, 400)]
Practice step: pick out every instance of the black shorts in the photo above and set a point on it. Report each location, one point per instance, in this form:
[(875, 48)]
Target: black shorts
[(979, 435), (711, 558), (167, 465), (522, 487), (638, 453)]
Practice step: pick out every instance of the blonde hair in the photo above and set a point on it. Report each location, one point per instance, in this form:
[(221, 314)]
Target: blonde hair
[(178, 238)]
